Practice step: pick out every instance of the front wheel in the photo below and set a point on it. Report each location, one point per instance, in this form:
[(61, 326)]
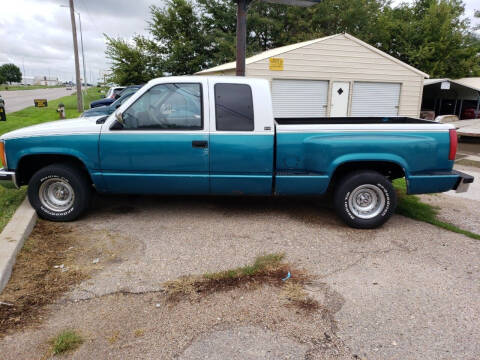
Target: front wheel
[(59, 192), (365, 199)]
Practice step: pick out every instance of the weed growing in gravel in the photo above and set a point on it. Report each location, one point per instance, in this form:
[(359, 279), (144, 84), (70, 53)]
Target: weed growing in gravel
[(411, 206), (267, 269), (262, 264), (296, 294), (67, 340)]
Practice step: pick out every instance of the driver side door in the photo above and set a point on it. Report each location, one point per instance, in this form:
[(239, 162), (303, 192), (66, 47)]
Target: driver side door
[(162, 147)]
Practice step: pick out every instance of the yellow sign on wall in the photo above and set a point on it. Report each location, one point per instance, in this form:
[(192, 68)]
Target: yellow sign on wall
[(276, 64)]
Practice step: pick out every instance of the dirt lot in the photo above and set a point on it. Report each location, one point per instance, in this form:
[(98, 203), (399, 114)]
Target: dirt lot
[(406, 291)]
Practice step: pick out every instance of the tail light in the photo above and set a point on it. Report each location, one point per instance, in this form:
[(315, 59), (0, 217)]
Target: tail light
[(3, 158), (453, 144)]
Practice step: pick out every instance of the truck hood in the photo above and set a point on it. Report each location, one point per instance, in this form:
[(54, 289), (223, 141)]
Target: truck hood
[(60, 127)]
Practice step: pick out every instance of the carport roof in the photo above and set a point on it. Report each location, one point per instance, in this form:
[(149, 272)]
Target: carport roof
[(472, 83), (281, 50)]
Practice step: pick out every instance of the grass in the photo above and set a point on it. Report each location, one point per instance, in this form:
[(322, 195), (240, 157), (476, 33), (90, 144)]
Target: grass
[(35, 282), (10, 199), (32, 115), (266, 269), (67, 340), (5, 87), (411, 206), (261, 265)]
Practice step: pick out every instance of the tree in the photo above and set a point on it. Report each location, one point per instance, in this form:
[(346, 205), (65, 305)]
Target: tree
[(2, 79), (433, 36), (129, 63), (10, 73), (187, 36)]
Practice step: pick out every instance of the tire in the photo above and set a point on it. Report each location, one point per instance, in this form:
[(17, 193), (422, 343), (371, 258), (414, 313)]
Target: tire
[(59, 192), (365, 199)]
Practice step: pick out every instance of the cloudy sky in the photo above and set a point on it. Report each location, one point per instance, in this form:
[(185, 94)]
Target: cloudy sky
[(36, 34)]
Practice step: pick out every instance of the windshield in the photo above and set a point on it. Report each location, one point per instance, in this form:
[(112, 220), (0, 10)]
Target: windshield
[(121, 100)]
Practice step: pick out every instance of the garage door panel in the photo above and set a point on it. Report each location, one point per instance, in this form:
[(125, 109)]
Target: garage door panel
[(299, 98), (375, 99)]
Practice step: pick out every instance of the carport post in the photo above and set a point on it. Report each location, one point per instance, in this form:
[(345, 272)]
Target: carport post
[(478, 103)]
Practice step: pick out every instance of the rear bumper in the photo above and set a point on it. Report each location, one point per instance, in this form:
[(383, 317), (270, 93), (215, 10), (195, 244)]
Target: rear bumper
[(436, 182), (464, 181), (8, 179)]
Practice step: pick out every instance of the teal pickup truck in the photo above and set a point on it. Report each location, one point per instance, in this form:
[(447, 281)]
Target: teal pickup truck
[(218, 135)]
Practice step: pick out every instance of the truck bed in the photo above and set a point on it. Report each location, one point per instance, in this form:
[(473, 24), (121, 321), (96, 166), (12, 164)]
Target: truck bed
[(351, 120)]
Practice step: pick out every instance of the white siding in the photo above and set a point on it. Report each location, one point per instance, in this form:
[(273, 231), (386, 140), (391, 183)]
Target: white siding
[(299, 98), (375, 99), (342, 59)]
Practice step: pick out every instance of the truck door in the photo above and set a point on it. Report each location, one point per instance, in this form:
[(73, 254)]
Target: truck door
[(241, 138), (163, 145)]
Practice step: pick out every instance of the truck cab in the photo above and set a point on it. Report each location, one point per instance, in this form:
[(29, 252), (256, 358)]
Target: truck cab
[(212, 136)]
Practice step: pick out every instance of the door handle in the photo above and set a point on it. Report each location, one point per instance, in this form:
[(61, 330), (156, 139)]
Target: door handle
[(199, 144)]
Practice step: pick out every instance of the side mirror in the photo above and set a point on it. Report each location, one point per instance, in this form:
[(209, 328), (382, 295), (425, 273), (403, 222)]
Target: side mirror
[(119, 117)]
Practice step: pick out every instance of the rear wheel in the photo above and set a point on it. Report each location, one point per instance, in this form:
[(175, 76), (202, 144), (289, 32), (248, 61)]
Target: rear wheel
[(365, 199), (59, 192)]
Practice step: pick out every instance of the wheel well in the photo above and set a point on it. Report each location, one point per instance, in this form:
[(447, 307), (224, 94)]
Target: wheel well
[(30, 164), (388, 169)]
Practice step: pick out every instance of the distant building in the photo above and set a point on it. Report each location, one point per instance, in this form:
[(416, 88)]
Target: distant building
[(28, 80), (46, 81)]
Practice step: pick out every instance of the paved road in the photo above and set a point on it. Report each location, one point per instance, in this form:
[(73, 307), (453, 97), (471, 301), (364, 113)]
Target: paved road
[(406, 291), (20, 99)]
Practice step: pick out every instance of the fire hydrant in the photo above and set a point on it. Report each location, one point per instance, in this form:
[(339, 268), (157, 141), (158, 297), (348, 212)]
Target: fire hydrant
[(61, 111)]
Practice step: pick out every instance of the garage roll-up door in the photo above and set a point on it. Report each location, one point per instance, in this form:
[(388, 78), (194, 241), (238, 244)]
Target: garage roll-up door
[(375, 99), (299, 98)]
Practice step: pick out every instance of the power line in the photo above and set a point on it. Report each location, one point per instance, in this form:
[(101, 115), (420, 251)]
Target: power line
[(92, 20)]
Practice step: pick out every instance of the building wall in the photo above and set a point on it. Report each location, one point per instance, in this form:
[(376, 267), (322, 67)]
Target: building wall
[(44, 80), (342, 59)]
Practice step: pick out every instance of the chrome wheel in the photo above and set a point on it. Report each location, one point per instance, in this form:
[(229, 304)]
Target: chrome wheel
[(56, 195), (366, 201)]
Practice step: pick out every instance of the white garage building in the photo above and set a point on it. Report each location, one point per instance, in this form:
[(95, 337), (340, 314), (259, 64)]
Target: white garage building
[(337, 75)]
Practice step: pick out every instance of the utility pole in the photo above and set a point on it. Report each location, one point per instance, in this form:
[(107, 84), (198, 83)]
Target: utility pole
[(77, 61), (242, 7), (83, 53)]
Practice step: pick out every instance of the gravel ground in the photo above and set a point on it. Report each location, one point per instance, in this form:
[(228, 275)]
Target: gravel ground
[(473, 192), (406, 291), (461, 212), (460, 209)]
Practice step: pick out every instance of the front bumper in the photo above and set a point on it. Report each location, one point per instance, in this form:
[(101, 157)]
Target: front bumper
[(464, 182), (8, 179)]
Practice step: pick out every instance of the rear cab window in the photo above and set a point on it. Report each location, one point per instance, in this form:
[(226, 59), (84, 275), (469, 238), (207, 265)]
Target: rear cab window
[(234, 107)]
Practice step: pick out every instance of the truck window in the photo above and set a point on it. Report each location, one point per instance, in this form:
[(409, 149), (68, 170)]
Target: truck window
[(234, 107), (167, 107)]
